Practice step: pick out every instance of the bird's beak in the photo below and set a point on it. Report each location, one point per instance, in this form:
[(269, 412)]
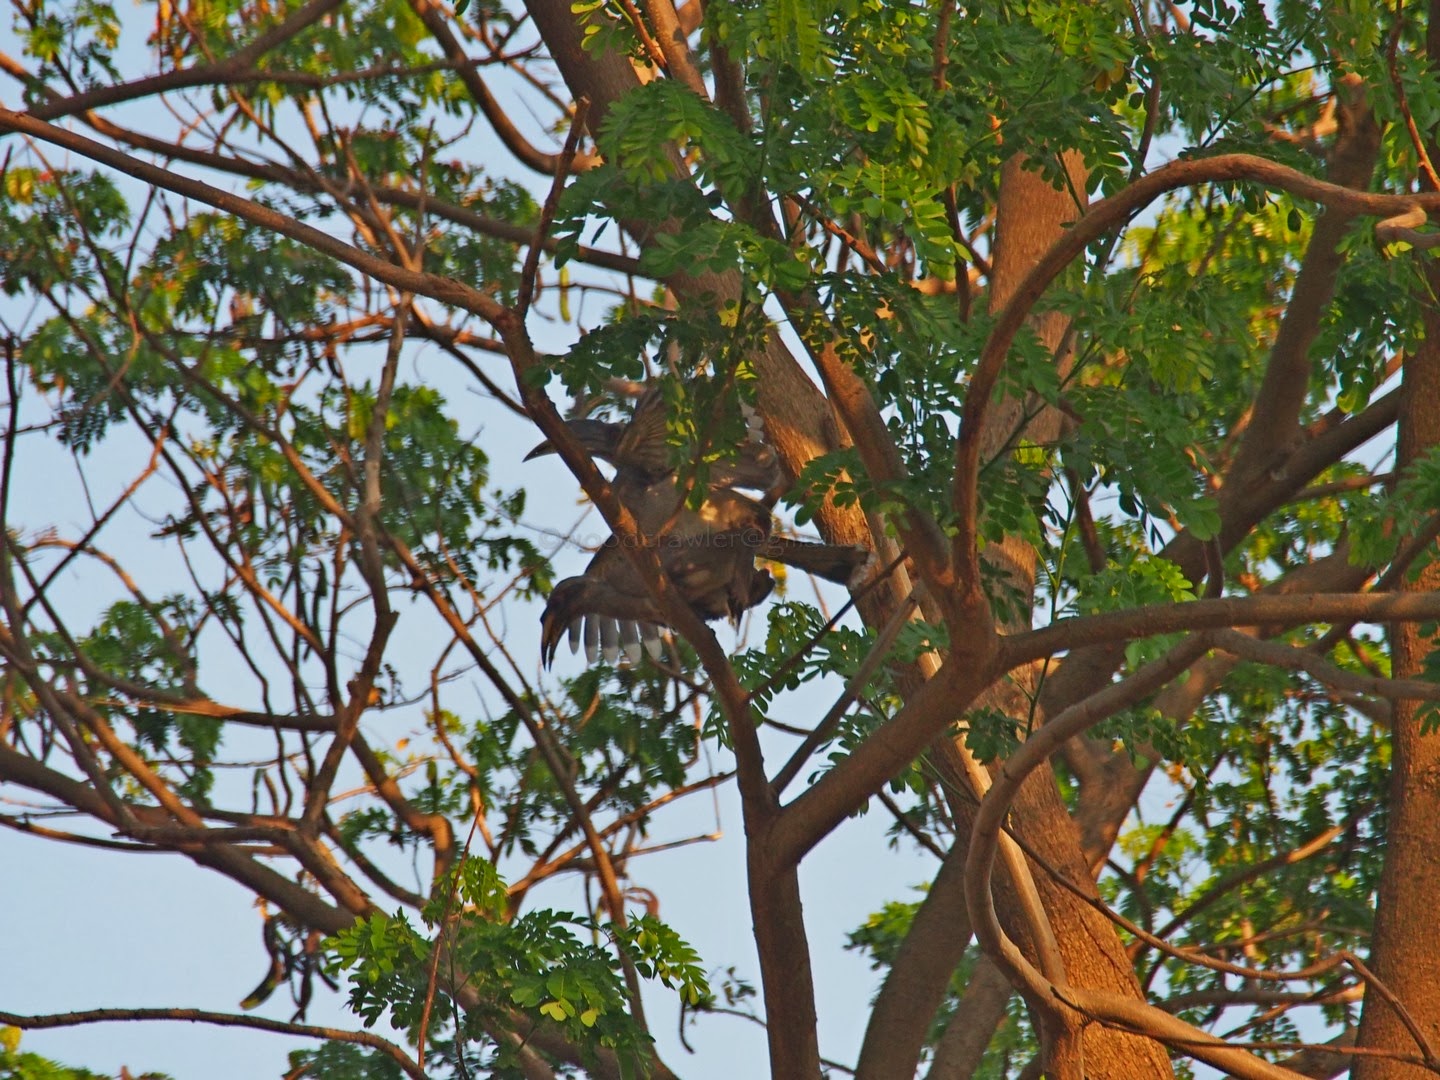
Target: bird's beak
[(546, 447)]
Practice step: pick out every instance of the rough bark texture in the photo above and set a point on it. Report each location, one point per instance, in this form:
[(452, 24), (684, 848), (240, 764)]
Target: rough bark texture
[(979, 1015), (1403, 953), (1031, 215)]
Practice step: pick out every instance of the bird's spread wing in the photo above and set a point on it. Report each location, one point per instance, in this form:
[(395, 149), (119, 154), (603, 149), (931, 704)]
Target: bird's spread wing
[(643, 445), (708, 555)]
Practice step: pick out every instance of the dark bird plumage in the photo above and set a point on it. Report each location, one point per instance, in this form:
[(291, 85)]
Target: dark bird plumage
[(708, 553)]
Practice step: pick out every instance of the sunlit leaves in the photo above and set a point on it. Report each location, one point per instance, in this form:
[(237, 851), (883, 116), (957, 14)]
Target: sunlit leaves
[(660, 953), (538, 963), (1141, 580), (216, 256), (54, 227)]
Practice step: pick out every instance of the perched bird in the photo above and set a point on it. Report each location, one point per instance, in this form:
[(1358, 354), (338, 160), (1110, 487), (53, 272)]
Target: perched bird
[(640, 449), (708, 552)]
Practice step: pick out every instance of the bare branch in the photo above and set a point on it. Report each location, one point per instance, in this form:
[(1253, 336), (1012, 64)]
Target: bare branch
[(201, 1016)]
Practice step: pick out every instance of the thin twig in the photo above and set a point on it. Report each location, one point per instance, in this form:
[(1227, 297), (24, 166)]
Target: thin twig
[(531, 269), (1392, 50), (799, 654), (1374, 982), (877, 655)]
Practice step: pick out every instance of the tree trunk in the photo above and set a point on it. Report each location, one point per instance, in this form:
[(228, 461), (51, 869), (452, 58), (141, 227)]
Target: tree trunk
[(1031, 216), (1403, 953)]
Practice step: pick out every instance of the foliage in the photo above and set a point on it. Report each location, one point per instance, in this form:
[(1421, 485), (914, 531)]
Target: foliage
[(15, 1065), (269, 568)]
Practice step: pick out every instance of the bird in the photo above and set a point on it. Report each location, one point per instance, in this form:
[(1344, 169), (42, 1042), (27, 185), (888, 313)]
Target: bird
[(707, 551), (640, 450)]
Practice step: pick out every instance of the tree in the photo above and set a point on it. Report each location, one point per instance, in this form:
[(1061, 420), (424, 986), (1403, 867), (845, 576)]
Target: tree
[(1109, 328)]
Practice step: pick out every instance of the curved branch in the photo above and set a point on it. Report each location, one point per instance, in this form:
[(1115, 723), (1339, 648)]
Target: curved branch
[(445, 290), (504, 128), (1116, 1009), (203, 1016), (1099, 219)]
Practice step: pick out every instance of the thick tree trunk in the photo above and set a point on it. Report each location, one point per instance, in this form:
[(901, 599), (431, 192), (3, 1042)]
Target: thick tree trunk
[(1403, 953), (1031, 216)]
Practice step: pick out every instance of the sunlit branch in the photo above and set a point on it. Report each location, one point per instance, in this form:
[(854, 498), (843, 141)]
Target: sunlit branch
[(1219, 889), (675, 57), (1305, 659), (367, 532), (237, 67), (446, 290), (1220, 614), (201, 1016), (22, 824), (436, 22), (990, 819)]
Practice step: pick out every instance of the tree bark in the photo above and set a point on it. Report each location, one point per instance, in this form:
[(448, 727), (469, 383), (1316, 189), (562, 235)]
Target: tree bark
[(1403, 953), (1031, 215)]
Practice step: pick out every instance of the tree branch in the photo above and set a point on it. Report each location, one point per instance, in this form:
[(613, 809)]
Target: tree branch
[(201, 1016), (237, 67), (1263, 610)]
